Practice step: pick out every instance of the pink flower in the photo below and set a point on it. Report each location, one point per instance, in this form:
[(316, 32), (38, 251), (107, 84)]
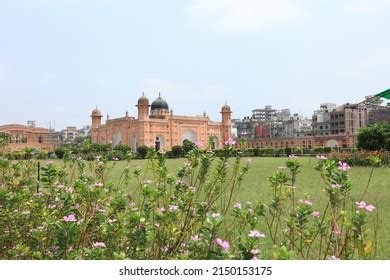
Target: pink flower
[(96, 245), (179, 182), (322, 157), (256, 234), (237, 205), (334, 258), (364, 205), (215, 215), (255, 252), (199, 144), (335, 186), (307, 202), (222, 243), (162, 210), (70, 218), (230, 142), (100, 210), (173, 207), (195, 238), (316, 214), (370, 208), (51, 206), (344, 166)]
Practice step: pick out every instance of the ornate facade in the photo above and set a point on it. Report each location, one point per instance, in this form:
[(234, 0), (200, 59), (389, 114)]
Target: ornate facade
[(157, 126)]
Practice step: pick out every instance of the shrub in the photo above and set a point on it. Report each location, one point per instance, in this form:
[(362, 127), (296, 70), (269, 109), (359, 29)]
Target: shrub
[(188, 146), (60, 152), (177, 151), (142, 151), (375, 137)]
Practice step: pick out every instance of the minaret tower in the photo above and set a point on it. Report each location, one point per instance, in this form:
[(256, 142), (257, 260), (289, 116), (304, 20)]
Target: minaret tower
[(143, 121), (96, 123), (143, 108), (226, 122)]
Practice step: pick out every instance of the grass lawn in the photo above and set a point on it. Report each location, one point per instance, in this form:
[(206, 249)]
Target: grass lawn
[(256, 187)]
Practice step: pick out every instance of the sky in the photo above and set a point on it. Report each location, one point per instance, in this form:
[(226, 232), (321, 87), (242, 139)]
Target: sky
[(61, 58)]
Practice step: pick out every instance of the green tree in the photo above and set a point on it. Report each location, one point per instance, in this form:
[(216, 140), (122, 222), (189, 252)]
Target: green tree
[(375, 137), (4, 140)]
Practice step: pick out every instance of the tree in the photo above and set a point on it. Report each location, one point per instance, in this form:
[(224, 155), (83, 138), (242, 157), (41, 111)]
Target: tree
[(4, 140), (375, 137)]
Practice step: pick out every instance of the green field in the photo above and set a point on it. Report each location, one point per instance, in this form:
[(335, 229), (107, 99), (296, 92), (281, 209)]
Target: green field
[(255, 187)]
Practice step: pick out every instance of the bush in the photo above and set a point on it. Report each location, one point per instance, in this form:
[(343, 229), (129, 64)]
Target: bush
[(188, 146), (375, 137), (177, 151), (60, 152), (142, 151), (123, 148), (80, 213)]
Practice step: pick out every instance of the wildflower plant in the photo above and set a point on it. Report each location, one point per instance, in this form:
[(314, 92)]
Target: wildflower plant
[(79, 212)]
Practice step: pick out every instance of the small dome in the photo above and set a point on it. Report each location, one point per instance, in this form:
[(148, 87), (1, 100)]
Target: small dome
[(160, 103), (96, 112), (225, 107), (143, 100)]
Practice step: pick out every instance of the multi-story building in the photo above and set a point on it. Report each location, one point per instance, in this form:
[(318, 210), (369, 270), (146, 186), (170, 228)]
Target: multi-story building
[(379, 115), (348, 119), (321, 119), (267, 122), (69, 134), (297, 126), (265, 115)]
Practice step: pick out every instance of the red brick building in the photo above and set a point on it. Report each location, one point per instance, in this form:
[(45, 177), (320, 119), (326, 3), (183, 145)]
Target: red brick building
[(22, 136), (342, 141)]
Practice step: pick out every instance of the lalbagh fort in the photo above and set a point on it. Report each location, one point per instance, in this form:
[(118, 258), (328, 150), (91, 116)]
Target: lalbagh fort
[(157, 126)]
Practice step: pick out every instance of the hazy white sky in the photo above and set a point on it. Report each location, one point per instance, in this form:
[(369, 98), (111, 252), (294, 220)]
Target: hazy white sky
[(60, 58)]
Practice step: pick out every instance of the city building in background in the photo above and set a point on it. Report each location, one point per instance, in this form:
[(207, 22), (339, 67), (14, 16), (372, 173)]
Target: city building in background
[(348, 119), (321, 119)]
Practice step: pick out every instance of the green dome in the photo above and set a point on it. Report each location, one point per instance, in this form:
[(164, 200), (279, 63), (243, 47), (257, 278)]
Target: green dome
[(160, 103)]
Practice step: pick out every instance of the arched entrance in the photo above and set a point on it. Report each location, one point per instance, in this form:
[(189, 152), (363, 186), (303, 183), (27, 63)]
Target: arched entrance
[(190, 135), (116, 138), (159, 142), (332, 143), (134, 143)]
